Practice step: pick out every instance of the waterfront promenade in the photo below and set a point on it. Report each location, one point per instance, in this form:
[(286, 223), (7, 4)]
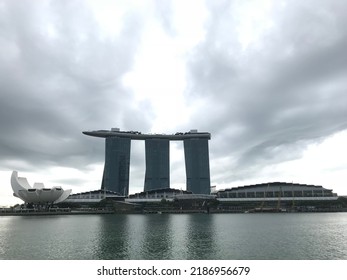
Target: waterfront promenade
[(54, 211)]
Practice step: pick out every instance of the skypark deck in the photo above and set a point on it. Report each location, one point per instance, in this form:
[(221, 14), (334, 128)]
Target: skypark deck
[(135, 135)]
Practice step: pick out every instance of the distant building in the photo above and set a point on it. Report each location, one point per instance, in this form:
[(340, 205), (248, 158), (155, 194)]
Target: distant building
[(276, 191), (117, 159), (93, 197), (38, 194), (197, 165), (157, 164), (117, 165), (168, 194), (156, 195)]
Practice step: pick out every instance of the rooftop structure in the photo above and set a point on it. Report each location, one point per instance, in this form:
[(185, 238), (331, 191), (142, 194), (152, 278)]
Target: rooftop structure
[(157, 147), (136, 135)]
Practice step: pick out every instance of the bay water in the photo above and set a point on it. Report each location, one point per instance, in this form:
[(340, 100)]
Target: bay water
[(261, 236)]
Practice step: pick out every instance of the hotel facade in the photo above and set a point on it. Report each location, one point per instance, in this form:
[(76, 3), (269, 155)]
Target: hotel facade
[(157, 152)]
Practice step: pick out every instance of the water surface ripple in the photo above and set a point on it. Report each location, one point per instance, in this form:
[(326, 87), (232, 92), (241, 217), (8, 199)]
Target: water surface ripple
[(176, 236)]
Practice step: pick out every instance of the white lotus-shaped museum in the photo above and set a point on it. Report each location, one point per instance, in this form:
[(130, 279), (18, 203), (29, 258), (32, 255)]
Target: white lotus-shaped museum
[(38, 193)]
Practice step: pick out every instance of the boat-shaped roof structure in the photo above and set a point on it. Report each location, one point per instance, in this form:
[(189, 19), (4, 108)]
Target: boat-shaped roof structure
[(136, 135)]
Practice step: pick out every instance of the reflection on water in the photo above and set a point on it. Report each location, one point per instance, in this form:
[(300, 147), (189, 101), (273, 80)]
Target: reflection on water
[(157, 238), (200, 238), (54, 237), (176, 236), (112, 238)]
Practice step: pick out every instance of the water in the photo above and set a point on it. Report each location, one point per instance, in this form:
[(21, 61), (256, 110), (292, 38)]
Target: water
[(176, 236)]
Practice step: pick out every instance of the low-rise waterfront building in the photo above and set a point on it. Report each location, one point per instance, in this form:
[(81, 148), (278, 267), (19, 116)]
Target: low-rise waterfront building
[(275, 191), (94, 196), (278, 196)]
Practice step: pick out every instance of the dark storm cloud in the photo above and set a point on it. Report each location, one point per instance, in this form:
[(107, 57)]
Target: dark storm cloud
[(59, 76), (263, 104), (285, 90)]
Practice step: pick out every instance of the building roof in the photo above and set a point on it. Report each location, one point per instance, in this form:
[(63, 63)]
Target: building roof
[(274, 186), (94, 192)]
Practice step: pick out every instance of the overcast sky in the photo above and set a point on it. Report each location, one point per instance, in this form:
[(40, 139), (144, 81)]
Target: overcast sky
[(267, 79)]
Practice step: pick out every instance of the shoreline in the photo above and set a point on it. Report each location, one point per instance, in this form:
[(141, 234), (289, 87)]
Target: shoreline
[(103, 211), (54, 213)]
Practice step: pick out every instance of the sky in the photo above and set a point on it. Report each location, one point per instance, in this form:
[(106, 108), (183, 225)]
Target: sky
[(266, 78)]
